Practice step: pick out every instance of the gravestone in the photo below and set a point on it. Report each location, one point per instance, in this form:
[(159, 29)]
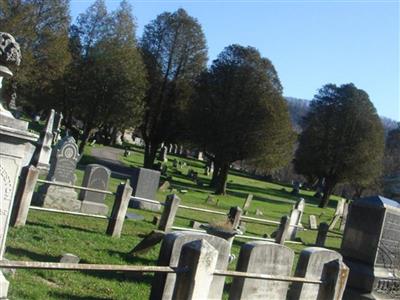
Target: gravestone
[(145, 185), (163, 284), (200, 156), (96, 177), (162, 155), (57, 127), (16, 148), (46, 140), (65, 157), (371, 246), (296, 188), (247, 203), (264, 258), (313, 222), (293, 222), (300, 205)]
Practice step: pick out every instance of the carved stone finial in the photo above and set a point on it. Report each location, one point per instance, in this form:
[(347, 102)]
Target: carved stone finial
[(10, 53)]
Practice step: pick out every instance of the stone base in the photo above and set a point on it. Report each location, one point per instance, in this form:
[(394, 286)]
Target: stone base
[(135, 203), (95, 208), (353, 294), (4, 284), (61, 198)]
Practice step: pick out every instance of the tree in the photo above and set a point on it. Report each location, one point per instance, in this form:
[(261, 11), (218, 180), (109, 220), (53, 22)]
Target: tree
[(41, 28), (342, 139), (238, 112), (174, 52), (111, 82), (392, 152)]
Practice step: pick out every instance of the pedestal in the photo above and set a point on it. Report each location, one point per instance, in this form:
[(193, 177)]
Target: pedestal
[(16, 150)]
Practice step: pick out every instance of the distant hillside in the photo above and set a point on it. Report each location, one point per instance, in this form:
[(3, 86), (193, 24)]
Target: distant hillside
[(298, 108)]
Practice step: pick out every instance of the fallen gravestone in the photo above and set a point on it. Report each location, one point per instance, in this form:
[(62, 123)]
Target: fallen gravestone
[(69, 258)]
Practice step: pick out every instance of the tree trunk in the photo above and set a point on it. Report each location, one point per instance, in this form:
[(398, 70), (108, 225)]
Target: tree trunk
[(150, 151), (328, 189), (220, 188)]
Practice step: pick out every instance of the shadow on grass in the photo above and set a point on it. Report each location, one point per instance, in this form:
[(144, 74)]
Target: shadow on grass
[(32, 255), (47, 226), (66, 296), (75, 228)]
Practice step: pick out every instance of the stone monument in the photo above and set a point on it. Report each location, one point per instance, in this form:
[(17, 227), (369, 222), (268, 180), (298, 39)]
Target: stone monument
[(96, 177), (57, 127), (371, 248), (64, 160), (46, 139), (16, 148), (145, 185)]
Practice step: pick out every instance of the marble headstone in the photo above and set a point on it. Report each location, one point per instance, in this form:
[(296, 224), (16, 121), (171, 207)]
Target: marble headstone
[(63, 165), (371, 245), (97, 177)]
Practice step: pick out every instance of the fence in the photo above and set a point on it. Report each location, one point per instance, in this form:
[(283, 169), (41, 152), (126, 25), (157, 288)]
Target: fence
[(197, 266), (29, 179)]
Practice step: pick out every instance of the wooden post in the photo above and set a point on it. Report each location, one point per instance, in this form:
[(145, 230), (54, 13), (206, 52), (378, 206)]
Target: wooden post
[(234, 215), (24, 195), (200, 258), (335, 274), (168, 216), (282, 230), (117, 218), (323, 229)]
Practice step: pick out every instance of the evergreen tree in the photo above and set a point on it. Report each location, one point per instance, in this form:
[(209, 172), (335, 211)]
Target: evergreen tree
[(342, 139), (174, 52), (239, 113)]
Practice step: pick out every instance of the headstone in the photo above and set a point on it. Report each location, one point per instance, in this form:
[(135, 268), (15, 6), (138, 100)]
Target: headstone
[(57, 127), (195, 225), (300, 205), (170, 148), (62, 169), (163, 284), (259, 212), (46, 139), (200, 156), (294, 221), (264, 258), (68, 258), (320, 188), (132, 216), (340, 207), (162, 156), (313, 222), (17, 148), (311, 265), (371, 246), (180, 151), (344, 216), (118, 138), (145, 185), (165, 186), (96, 177), (247, 203)]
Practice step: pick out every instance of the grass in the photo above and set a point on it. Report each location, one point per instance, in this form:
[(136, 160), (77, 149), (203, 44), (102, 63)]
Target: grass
[(47, 236)]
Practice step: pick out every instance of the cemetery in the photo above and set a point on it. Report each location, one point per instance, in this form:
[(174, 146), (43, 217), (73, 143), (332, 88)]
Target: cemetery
[(190, 181)]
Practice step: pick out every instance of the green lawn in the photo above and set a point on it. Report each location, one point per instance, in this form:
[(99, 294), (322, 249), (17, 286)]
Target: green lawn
[(47, 235)]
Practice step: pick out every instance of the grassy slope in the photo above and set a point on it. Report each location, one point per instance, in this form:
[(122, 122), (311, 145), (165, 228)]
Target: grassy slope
[(47, 235)]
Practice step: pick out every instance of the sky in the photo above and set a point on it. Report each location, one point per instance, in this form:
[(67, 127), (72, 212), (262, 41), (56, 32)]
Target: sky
[(310, 43)]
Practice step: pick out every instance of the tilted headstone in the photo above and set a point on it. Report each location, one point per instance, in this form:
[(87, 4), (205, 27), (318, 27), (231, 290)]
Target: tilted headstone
[(63, 165), (247, 203), (145, 185), (264, 258), (163, 284), (96, 177), (344, 216), (300, 205), (371, 245), (310, 265), (43, 156), (293, 223)]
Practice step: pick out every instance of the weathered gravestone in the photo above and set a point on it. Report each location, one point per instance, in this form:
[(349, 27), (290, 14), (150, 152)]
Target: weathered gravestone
[(294, 221), (145, 185), (264, 258), (46, 140), (163, 284), (16, 148), (96, 177), (371, 246), (300, 205), (162, 155), (64, 160)]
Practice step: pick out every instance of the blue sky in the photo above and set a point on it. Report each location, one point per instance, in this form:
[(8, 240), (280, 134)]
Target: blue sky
[(310, 43)]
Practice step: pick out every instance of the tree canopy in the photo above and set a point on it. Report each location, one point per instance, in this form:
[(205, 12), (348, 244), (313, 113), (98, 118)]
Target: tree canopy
[(342, 138), (174, 52), (238, 112)]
